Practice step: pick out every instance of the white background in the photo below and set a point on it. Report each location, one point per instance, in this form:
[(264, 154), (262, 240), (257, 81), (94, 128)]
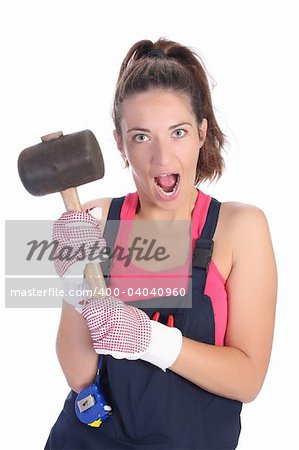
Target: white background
[(60, 60)]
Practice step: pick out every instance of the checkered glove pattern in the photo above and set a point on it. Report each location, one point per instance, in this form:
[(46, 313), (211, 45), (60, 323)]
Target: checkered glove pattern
[(78, 231), (117, 329), (124, 331)]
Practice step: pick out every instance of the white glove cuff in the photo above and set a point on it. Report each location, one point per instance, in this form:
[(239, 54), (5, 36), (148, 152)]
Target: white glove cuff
[(76, 294), (165, 345)]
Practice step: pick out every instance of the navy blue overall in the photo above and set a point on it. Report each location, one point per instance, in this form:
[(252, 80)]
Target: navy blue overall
[(155, 409)]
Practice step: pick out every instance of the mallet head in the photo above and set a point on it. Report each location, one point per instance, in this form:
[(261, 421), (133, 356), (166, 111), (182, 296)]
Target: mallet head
[(61, 163)]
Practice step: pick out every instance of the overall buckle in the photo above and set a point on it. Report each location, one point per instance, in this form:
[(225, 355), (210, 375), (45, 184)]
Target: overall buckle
[(202, 255)]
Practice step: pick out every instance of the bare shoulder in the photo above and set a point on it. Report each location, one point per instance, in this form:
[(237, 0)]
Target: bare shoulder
[(247, 229), (241, 227), (241, 221), (239, 217), (102, 203)]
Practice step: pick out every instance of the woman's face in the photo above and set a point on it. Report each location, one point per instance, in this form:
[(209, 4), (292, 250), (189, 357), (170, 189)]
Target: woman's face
[(161, 140)]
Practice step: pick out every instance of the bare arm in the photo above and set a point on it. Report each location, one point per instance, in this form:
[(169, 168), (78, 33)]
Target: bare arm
[(75, 353), (238, 369), (74, 348)]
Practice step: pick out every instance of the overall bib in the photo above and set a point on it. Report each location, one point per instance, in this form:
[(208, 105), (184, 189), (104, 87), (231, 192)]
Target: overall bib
[(152, 409)]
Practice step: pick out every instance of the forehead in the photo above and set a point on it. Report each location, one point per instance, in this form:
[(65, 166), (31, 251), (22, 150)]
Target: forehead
[(156, 105)]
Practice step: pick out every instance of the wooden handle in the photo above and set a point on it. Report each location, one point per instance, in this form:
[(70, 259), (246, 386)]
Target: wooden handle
[(93, 272), (95, 279), (71, 199)]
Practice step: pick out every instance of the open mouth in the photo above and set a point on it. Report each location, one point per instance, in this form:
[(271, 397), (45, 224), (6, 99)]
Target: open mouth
[(167, 184)]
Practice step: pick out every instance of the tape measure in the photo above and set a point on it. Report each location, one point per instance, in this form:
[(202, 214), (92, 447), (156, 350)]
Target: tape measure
[(90, 405)]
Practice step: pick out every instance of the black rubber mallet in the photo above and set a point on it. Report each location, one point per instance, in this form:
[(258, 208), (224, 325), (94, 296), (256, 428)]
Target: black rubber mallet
[(60, 164)]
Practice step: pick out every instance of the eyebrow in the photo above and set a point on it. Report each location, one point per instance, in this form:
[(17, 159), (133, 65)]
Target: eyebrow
[(170, 128)]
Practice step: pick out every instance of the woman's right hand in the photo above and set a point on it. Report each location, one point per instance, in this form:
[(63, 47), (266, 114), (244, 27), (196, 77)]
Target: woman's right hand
[(76, 233)]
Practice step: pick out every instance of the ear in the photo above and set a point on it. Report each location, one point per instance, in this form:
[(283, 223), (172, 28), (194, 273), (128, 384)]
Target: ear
[(120, 146), (118, 141), (202, 131)]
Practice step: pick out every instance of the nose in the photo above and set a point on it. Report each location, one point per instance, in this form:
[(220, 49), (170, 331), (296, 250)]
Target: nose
[(162, 153)]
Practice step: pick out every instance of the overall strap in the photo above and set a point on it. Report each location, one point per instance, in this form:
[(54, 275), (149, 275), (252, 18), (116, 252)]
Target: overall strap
[(203, 248), (110, 231), (211, 220), (115, 208)]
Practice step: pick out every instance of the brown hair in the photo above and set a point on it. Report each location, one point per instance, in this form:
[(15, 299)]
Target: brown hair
[(180, 69)]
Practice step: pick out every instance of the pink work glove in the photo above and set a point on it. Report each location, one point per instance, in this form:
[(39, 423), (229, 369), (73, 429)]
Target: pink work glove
[(76, 230), (124, 331), (117, 328)]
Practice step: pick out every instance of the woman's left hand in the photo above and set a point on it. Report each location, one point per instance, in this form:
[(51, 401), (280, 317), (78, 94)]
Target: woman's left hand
[(124, 331)]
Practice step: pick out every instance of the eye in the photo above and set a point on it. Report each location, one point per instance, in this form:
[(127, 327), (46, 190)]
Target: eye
[(180, 132), (140, 138)]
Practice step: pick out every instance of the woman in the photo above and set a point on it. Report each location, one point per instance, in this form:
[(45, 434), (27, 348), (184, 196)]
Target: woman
[(176, 374)]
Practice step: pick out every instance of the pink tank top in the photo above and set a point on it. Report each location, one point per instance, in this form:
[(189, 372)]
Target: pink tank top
[(121, 277)]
